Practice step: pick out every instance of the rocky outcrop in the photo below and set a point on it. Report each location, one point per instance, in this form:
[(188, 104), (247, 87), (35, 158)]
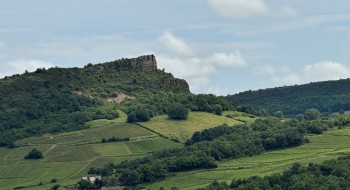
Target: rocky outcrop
[(179, 83), (145, 62)]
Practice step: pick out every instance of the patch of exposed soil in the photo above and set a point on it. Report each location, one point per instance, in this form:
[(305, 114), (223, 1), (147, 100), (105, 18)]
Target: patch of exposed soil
[(120, 98)]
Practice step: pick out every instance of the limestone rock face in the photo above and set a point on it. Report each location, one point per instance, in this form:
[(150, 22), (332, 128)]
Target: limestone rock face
[(180, 83), (142, 63), (145, 62)]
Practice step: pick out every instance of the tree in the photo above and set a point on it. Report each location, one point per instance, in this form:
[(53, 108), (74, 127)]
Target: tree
[(55, 187), (311, 114), (177, 111), (217, 109), (140, 115), (300, 117), (34, 154), (84, 184), (278, 114)]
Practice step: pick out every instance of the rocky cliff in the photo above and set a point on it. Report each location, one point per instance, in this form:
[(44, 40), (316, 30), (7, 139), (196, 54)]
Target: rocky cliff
[(145, 62)]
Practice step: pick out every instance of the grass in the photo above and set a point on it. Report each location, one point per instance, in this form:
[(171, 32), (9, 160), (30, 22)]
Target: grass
[(151, 145), (70, 153), (91, 135), (112, 149), (182, 130), (68, 156), (240, 116), (329, 145), (105, 122), (19, 153)]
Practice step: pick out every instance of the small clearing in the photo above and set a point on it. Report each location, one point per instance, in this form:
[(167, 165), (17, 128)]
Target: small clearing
[(120, 98)]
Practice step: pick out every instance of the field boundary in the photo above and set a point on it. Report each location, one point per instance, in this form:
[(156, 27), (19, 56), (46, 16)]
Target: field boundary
[(161, 135)]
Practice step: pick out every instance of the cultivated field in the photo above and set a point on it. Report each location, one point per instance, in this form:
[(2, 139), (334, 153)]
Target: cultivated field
[(68, 156), (240, 116), (182, 130), (329, 145)]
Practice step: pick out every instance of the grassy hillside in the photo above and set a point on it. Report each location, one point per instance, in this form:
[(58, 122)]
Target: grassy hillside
[(68, 156), (182, 130), (63, 99), (328, 96), (326, 146)]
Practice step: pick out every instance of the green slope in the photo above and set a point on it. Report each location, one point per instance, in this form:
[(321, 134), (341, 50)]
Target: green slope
[(68, 156), (182, 130), (326, 146), (63, 99), (328, 96)]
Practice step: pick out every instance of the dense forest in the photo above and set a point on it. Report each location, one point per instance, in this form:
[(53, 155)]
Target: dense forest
[(331, 174), (328, 97)]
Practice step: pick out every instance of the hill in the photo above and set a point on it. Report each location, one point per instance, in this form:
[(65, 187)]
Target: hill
[(68, 156), (63, 99), (329, 145), (328, 96)]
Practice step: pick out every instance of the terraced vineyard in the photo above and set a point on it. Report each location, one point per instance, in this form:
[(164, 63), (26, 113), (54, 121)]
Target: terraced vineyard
[(68, 156), (326, 146)]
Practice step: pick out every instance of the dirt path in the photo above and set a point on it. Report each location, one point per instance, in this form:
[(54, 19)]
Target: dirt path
[(82, 168), (52, 147), (127, 149)]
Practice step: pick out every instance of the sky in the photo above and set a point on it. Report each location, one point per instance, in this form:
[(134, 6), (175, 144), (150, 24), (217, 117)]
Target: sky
[(218, 46)]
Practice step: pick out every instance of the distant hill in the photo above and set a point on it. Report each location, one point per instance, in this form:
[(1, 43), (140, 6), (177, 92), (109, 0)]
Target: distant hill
[(328, 96), (63, 99)]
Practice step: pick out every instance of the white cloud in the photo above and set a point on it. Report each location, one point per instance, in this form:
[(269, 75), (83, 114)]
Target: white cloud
[(326, 70), (288, 79), (238, 9), (185, 68), (198, 84), (179, 59), (286, 11), (296, 24), (195, 67), (175, 44), (21, 65), (223, 59), (218, 90), (264, 70), (279, 75)]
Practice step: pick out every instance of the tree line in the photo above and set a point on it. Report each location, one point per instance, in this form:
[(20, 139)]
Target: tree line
[(328, 97)]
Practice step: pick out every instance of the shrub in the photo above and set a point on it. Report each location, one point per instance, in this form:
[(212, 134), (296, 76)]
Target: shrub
[(140, 115), (34, 154), (177, 111)]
